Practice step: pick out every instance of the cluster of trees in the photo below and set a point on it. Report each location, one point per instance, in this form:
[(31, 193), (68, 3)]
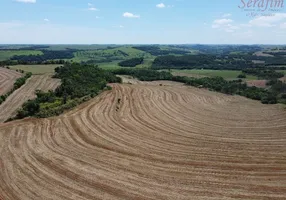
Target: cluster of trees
[(15, 62), (157, 51), (18, 83), (133, 62), (264, 74), (47, 55), (200, 61), (276, 60), (78, 84)]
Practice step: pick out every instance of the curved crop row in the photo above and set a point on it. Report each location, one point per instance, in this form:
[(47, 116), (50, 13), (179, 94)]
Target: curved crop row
[(148, 142)]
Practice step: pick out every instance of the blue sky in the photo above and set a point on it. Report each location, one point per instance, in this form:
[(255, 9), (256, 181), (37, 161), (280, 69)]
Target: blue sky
[(141, 22)]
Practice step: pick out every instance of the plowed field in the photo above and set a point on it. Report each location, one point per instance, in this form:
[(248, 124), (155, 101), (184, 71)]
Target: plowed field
[(148, 142), (24, 93), (7, 79)]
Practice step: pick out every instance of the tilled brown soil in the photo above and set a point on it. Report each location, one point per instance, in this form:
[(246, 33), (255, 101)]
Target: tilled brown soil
[(148, 142), (37, 82), (7, 79)]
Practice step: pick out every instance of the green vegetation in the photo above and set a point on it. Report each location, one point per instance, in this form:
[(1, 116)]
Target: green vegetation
[(133, 62), (18, 83), (201, 61), (7, 54), (109, 55), (79, 83), (241, 76), (40, 59), (144, 74), (156, 50), (226, 74), (264, 74), (36, 69), (282, 71)]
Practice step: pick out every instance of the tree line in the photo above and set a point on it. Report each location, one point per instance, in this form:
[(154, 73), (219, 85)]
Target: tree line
[(47, 55), (264, 74), (275, 94), (205, 61), (133, 62), (157, 51)]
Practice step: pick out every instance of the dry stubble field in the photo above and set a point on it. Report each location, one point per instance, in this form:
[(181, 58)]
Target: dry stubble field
[(157, 142), (7, 79), (37, 82)]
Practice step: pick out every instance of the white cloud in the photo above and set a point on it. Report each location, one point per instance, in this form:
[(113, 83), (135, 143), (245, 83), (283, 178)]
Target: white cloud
[(27, 1), (224, 24), (91, 7), (219, 23), (222, 21), (226, 15), (130, 15), (46, 20), (160, 5)]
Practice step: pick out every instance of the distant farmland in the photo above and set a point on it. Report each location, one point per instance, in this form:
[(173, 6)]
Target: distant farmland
[(7, 54), (36, 69)]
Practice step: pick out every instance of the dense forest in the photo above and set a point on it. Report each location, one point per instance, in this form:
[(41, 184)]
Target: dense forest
[(47, 55), (133, 62), (78, 84), (157, 51), (221, 49), (200, 61)]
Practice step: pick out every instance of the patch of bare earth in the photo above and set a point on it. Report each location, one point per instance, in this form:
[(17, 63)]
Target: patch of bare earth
[(38, 82), (260, 53), (257, 83), (283, 79), (188, 75), (171, 142), (7, 79)]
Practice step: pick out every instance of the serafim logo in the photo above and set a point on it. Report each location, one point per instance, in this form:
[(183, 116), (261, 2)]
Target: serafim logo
[(261, 7)]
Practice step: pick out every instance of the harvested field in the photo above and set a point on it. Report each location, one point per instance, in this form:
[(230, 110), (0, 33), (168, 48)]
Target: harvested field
[(26, 92), (261, 53), (7, 79), (257, 83), (157, 142)]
